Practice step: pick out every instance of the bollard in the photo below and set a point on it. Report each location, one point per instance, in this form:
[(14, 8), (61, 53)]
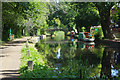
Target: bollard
[(27, 43), (30, 65), (28, 52)]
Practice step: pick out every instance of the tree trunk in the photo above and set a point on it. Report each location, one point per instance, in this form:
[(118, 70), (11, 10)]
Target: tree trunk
[(106, 24), (104, 11)]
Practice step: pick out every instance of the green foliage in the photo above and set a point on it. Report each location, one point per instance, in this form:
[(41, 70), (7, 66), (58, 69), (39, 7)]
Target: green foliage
[(63, 13), (38, 31), (34, 56), (42, 31), (116, 15), (60, 35), (23, 15), (68, 33), (98, 34), (13, 17), (104, 12), (87, 15), (83, 29), (74, 14), (40, 69)]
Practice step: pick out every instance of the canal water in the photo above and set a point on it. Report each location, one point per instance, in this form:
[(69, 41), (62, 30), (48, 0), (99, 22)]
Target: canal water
[(76, 59)]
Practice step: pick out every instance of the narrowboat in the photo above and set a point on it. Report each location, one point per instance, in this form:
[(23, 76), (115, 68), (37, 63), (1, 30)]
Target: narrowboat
[(86, 36)]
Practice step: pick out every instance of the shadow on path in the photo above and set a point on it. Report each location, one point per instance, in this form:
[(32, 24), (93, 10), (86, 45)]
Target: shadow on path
[(10, 74), (12, 45), (3, 47), (18, 42), (10, 57)]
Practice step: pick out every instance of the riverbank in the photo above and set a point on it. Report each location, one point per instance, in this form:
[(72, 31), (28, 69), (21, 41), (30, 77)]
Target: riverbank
[(112, 42), (48, 64), (40, 69)]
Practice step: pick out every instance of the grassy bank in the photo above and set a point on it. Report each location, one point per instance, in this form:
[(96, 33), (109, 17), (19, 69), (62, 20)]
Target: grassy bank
[(40, 70)]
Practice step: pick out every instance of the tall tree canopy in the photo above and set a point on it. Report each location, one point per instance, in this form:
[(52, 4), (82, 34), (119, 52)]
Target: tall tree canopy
[(87, 15), (22, 15), (104, 12), (73, 14), (32, 16)]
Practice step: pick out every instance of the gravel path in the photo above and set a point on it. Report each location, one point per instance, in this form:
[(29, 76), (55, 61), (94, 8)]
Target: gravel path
[(10, 55)]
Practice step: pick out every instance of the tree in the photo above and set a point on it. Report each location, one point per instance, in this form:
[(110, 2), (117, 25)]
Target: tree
[(104, 12), (22, 15), (73, 14), (87, 15), (13, 17), (115, 14), (62, 12)]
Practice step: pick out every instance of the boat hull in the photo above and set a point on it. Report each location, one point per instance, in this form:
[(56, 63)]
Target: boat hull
[(89, 39), (86, 36)]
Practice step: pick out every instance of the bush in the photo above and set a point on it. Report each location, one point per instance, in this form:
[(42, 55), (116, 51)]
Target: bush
[(98, 34), (68, 33), (42, 31)]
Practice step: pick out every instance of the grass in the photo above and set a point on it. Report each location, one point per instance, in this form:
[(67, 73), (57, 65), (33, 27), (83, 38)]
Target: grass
[(2, 43), (40, 70)]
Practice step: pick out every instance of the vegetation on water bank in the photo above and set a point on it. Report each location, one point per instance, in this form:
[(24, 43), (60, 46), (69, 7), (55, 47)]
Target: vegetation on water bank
[(40, 70), (74, 63), (60, 35), (2, 43), (98, 34)]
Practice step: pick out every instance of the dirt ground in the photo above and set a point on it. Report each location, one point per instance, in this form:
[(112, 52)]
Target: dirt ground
[(10, 55)]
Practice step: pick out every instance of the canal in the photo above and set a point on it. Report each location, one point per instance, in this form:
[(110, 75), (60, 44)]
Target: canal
[(71, 58)]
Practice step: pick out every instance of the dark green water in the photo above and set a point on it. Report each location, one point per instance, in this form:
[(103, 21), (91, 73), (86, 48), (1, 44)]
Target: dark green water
[(76, 59)]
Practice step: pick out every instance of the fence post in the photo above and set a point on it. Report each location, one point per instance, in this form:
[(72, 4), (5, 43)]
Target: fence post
[(27, 43), (30, 65), (28, 52)]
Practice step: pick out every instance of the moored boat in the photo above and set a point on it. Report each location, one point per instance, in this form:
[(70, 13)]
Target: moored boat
[(86, 36)]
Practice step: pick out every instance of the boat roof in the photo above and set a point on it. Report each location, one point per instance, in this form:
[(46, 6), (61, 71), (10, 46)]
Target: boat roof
[(84, 32)]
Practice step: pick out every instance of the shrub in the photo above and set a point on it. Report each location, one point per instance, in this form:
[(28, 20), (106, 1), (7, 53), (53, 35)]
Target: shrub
[(98, 34)]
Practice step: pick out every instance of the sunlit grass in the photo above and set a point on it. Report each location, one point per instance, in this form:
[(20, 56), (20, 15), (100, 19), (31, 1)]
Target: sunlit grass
[(40, 70)]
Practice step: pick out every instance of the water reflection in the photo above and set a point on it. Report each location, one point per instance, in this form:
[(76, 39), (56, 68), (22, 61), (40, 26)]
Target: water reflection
[(86, 45), (75, 59), (58, 54), (110, 64)]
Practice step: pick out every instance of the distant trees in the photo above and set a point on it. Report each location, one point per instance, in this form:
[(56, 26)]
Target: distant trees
[(87, 15), (12, 17), (30, 16), (93, 14), (115, 14), (73, 15), (63, 13), (23, 15)]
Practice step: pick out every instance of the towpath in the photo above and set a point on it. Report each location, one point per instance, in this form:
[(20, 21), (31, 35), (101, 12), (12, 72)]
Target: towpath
[(10, 55)]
